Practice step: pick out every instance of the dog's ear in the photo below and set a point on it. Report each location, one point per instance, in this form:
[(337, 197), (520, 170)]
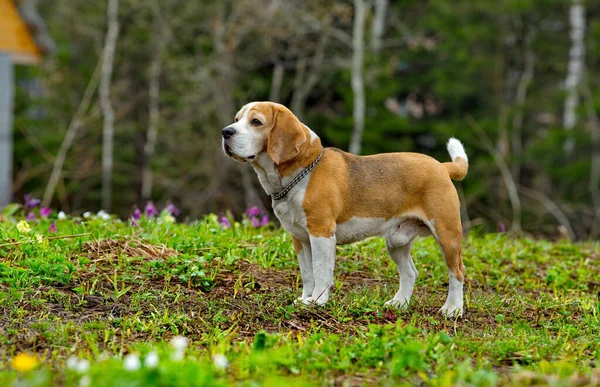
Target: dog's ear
[(286, 136)]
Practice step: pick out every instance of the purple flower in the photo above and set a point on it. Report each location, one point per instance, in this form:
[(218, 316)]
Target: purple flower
[(253, 211), (150, 210), (172, 209), (30, 216), (264, 220), (31, 202), (255, 222), (133, 223), (501, 227), (225, 222), (137, 214), (45, 212), (52, 228)]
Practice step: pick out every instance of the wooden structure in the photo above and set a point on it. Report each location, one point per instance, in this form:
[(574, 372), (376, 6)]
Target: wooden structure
[(23, 41)]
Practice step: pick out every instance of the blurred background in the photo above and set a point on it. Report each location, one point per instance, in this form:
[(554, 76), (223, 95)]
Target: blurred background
[(123, 101)]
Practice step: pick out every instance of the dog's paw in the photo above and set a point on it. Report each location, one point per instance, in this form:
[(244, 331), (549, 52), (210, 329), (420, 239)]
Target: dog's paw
[(451, 311), (395, 303), (314, 301)]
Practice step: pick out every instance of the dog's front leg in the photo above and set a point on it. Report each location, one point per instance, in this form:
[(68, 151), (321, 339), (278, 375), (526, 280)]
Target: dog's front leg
[(306, 268), (323, 262)]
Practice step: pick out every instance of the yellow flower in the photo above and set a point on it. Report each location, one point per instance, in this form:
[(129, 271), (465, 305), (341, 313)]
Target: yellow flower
[(39, 237), (24, 362), (169, 218), (23, 226)]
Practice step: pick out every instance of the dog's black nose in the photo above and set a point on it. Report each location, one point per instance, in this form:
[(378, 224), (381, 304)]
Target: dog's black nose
[(227, 132)]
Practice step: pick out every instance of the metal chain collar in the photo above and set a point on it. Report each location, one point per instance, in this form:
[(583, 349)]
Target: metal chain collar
[(296, 180)]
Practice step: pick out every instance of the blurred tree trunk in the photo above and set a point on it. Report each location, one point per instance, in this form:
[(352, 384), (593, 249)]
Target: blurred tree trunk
[(154, 71), (358, 87), (225, 47), (74, 125), (509, 182), (575, 68), (303, 83), (276, 82), (520, 98), (6, 128), (105, 103), (378, 28), (223, 90), (595, 162)]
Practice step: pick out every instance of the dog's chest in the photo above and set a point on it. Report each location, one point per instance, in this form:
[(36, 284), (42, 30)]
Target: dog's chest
[(290, 213)]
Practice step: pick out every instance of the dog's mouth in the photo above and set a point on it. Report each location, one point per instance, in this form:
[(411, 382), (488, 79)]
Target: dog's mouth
[(227, 149), (229, 152)]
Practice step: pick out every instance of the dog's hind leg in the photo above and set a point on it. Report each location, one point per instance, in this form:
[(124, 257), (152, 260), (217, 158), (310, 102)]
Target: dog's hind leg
[(449, 239), (407, 271), (399, 244)]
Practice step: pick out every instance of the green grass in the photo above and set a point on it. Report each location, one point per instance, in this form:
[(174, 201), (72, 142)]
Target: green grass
[(532, 309)]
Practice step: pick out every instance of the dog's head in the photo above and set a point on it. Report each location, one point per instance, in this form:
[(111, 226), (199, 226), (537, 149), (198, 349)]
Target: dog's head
[(265, 127)]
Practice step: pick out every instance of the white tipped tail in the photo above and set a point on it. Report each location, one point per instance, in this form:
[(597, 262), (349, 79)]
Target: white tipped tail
[(456, 149), (458, 168)]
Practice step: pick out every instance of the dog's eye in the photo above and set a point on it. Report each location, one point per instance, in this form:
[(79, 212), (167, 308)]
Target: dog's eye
[(256, 122), (235, 119)]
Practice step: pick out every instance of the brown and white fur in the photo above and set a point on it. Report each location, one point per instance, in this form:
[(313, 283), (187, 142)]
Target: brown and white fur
[(346, 198)]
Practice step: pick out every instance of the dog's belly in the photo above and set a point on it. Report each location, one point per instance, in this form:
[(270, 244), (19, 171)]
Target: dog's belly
[(357, 229), (398, 231)]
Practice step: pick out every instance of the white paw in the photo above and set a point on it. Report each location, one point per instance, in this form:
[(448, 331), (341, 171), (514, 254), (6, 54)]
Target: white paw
[(451, 311), (312, 300), (395, 303)]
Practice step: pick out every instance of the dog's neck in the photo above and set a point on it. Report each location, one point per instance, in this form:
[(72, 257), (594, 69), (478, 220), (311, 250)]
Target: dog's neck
[(270, 177), (267, 174), (274, 177)]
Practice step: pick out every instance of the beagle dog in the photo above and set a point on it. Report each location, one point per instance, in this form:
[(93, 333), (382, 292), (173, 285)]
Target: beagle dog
[(325, 196)]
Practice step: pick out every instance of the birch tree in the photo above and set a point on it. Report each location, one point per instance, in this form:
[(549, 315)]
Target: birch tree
[(108, 55), (381, 7), (358, 87), (575, 68)]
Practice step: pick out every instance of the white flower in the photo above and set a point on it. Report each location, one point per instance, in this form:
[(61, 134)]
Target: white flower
[(179, 344), (132, 362), (169, 218), (82, 366), (78, 365), (85, 381), (23, 226), (151, 360), (220, 361), (39, 238), (87, 214), (178, 355), (72, 362), (103, 215), (62, 215)]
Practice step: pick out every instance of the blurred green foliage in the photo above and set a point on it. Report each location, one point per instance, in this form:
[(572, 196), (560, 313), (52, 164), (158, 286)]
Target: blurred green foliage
[(442, 64)]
